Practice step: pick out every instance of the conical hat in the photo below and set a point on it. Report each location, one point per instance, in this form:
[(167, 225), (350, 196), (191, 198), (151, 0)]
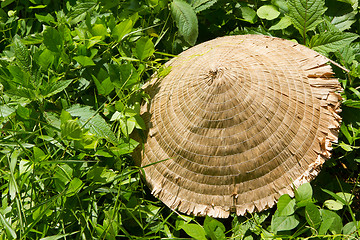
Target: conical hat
[(237, 122)]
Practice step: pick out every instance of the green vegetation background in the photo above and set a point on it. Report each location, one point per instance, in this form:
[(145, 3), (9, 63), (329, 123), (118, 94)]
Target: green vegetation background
[(70, 79)]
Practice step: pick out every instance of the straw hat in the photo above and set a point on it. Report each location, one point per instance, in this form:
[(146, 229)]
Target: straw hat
[(237, 122)]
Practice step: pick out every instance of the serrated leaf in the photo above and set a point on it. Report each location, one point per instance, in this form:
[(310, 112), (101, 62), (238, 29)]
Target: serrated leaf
[(200, 5), (195, 231), (22, 54), (306, 14), (327, 42), (345, 21), (80, 9), (56, 87), (71, 129), (186, 20), (268, 12), (282, 24), (93, 121), (52, 39)]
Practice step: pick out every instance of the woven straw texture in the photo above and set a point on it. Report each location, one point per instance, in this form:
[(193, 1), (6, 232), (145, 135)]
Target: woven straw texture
[(239, 121)]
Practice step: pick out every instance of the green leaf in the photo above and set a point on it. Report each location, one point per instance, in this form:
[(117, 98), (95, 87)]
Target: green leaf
[(282, 24), (345, 21), (214, 228), (283, 223), (304, 193), (84, 61), (71, 129), (55, 87), (306, 14), (350, 230), (99, 30), (22, 54), (144, 48), (46, 58), (286, 205), (312, 215), (195, 231), (92, 121), (346, 147), (122, 29), (48, 18), (331, 222), (327, 42), (52, 39), (74, 187), (186, 20), (6, 2), (200, 5), (333, 205), (268, 12), (248, 14), (6, 111)]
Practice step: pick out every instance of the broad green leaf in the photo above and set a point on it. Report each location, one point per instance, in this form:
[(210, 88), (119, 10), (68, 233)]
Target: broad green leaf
[(282, 24), (105, 87), (71, 129), (122, 29), (46, 58), (99, 30), (144, 48), (55, 87), (350, 230), (283, 223), (92, 121), (286, 205), (79, 10), (351, 103), (101, 175), (304, 193), (312, 215), (84, 61), (333, 205), (22, 54), (330, 217), (268, 12), (186, 20), (6, 111), (195, 231), (214, 228), (327, 42), (344, 22), (52, 39), (74, 186), (306, 14), (48, 18), (248, 14), (200, 5)]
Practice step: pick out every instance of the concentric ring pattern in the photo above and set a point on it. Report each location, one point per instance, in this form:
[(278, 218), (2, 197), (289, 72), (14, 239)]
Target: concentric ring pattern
[(236, 122)]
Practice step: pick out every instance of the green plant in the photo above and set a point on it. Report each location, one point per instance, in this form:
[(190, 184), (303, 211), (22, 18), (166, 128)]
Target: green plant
[(71, 77)]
